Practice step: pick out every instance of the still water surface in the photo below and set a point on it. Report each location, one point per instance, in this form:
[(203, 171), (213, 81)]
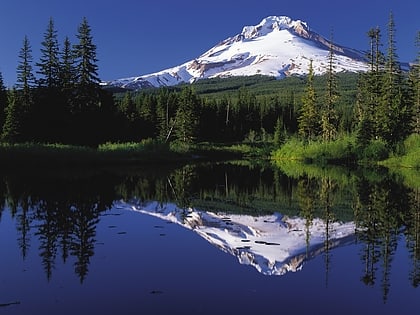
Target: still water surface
[(70, 242)]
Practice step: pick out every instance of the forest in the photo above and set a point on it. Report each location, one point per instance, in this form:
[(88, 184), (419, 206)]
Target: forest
[(61, 100)]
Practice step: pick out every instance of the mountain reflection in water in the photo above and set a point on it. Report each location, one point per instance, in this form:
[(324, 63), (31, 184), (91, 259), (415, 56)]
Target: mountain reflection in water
[(273, 244), (276, 220)]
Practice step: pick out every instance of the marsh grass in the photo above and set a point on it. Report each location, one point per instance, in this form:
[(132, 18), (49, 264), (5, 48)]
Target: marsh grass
[(60, 154), (145, 151), (409, 157), (341, 151)]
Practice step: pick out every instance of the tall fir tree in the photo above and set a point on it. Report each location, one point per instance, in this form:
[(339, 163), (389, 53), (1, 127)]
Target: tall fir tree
[(369, 91), (3, 101), (85, 54), (329, 118), (25, 76), (309, 118), (49, 64), (25, 91), (12, 127), (279, 133), (415, 87), (395, 113), (186, 119), (67, 70), (87, 80), (165, 113)]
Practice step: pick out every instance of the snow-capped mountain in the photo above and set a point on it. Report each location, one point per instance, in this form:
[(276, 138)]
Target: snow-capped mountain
[(272, 244), (278, 47)]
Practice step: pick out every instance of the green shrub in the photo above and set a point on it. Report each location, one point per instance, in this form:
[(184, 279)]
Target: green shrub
[(376, 150)]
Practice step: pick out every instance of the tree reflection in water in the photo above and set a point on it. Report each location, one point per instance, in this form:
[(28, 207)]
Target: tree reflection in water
[(62, 209)]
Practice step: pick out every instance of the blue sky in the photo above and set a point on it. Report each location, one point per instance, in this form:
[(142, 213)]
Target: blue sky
[(136, 37)]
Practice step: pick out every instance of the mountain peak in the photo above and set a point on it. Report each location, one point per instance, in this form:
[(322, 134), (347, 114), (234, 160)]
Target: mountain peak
[(274, 23), (278, 46)]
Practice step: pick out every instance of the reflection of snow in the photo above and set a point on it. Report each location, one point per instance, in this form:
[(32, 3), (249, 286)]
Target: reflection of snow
[(273, 244)]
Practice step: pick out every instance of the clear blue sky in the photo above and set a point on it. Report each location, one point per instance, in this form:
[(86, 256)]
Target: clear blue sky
[(136, 37)]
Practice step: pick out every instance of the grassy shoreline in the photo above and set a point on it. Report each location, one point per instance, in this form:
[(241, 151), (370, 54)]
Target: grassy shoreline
[(144, 152), (346, 152)]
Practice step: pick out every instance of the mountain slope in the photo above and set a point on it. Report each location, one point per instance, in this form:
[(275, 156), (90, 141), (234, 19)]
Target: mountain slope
[(278, 47)]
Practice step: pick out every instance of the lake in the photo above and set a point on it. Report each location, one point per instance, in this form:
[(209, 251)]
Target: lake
[(209, 238)]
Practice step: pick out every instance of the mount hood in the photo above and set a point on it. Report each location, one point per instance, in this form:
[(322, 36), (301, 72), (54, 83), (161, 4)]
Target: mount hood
[(278, 46)]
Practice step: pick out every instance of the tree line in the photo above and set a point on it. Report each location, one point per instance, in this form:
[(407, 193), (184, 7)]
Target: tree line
[(386, 108), (66, 104), (61, 101)]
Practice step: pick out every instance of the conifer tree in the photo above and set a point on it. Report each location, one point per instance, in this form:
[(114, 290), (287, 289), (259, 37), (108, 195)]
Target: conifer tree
[(12, 127), (128, 107), (279, 132), (329, 119), (415, 87), (394, 114), (25, 77), (87, 80), (369, 90), (309, 113), (67, 68), (24, 98), (3, 101), (165, 111), (186, 120), (85, 55), (49, 63)]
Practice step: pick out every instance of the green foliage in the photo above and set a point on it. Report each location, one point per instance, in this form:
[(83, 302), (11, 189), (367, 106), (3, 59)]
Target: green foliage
[(309, 115), (384, 102), (279, 133), (293, 149), (186, 119), (410, 157), (329, 118), (414, 81), (341, 151), (12, 127), (3, 101), (375, 150)]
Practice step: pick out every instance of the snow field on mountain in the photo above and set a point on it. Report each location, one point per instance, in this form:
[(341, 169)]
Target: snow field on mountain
[(277, 47)]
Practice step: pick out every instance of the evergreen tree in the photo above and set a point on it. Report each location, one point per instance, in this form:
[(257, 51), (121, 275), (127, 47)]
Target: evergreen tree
[(309, 113), (186, 120), (128, 107), (67, 67), (415, 87), (369, 91), (3, 101), (25, 77), (165, 112), (329, 119), (87, 80), (25, 96), (365, 128), (12, 127), (279, 133), (85, 54), (49, 61), (394, 115)]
